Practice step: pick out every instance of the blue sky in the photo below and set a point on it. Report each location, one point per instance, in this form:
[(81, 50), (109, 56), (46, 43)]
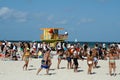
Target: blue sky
[(84, 20)]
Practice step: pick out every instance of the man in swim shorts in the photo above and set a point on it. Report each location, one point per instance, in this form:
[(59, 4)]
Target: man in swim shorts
[(45, 62), (68, 58)]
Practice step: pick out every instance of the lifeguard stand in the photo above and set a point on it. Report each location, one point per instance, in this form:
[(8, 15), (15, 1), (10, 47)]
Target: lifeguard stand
[(52, 35)]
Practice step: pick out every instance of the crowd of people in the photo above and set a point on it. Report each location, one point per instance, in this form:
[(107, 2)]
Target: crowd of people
[(70, 52), (75, 52)]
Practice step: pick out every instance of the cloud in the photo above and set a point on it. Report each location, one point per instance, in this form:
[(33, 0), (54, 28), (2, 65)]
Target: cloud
[(86, 20), (7, 13), (42, 16), (38, 15), (4, 10), (62, 22), (20, 16)]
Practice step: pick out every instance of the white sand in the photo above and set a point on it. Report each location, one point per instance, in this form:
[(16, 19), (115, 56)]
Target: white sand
[(12, 70)]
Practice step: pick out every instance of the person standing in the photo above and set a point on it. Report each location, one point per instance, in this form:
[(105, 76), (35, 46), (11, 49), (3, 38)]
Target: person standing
[(69, 59), (60, 53), (25, 57), (90, 62), (112, 64), (95, 57), (45, 62), (75, 60)]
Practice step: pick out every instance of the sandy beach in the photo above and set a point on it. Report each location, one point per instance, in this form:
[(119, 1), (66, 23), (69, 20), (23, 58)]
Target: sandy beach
[(12, 70)]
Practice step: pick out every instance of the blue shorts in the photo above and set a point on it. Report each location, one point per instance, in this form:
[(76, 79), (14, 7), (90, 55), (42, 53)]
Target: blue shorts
[(69, 59), (45, 66)]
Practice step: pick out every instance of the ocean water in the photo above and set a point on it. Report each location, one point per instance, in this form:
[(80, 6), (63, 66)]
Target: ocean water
[(90, 44)]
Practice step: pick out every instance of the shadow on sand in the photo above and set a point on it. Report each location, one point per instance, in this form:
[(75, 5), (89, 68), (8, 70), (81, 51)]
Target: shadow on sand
[(51, 73), (31, 66), (62, 67), (98, 66), (52, 69), (113, 74), (80, 70), (93, 73), (32, 69)]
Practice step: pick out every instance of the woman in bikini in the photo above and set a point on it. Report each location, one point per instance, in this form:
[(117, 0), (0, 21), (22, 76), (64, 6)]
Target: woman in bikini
[(25, 57), (90, 62), (112, 64)]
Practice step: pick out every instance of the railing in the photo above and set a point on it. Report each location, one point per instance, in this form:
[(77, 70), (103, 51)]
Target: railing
[(60, 37)]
